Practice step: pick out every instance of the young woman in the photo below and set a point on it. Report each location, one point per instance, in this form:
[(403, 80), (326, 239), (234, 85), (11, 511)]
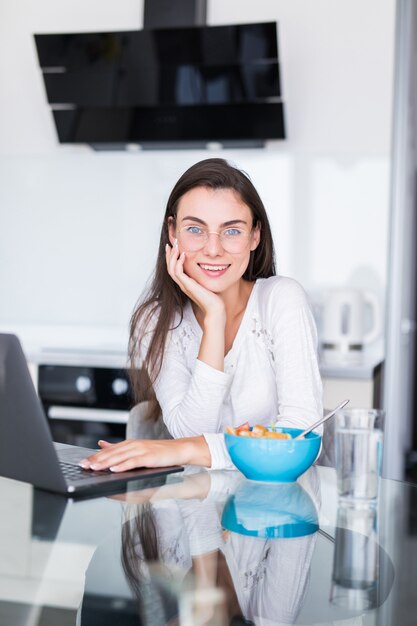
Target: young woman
[(223, 339)]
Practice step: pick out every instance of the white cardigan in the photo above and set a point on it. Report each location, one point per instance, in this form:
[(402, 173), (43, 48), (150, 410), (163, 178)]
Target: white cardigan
[(271, 371)]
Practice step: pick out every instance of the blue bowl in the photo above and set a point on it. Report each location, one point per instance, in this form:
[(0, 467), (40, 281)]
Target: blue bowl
[(273, 460), (270, 510)]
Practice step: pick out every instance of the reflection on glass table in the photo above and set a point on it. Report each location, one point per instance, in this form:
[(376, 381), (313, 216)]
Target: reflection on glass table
[(175, 548), (209, 547), (270, 510), (219, 549), (358, 560)]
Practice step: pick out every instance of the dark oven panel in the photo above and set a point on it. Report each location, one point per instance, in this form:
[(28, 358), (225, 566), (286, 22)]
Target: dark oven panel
[(85, 404), (79, 386)]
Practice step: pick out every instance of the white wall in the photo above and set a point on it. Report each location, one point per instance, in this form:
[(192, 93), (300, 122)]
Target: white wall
[(79, 229)]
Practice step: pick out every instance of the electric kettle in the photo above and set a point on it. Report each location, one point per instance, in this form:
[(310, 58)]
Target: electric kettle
[(351, 321)]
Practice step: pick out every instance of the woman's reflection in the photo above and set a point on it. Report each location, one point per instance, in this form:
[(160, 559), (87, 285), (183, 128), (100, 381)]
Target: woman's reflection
[(174, 551)]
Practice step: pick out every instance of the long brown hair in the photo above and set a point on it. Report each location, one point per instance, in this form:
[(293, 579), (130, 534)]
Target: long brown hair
[(156, 602), (163, 294)]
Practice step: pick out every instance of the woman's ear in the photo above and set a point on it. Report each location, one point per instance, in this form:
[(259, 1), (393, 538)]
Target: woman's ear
[(171, 230), (255, 237)]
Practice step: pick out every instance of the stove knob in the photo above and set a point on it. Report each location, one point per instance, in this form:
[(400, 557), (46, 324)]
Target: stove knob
[(83, 384), (119, 386)]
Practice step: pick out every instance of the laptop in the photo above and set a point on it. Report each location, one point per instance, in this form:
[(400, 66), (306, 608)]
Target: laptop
[(27, 451)]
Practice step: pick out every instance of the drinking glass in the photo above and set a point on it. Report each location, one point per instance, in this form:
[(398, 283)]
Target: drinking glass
[(358, 453)]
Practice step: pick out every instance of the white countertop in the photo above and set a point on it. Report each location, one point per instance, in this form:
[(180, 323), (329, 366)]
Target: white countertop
[(96, 346), (356, 366), (106, 346)]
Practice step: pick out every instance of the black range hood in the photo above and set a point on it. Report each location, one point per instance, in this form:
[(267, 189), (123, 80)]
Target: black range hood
[(165, 87)]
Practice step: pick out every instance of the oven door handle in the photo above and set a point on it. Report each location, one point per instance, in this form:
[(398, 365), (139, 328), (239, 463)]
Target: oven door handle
[(87, 415)]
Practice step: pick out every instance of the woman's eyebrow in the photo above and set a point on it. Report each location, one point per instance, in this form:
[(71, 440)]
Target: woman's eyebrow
[(193, 219), (230, 222), (199, 221)]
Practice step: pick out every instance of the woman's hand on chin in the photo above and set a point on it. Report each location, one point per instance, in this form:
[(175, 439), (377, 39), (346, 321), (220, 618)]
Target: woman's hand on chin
[(134, 453), (209, 302)]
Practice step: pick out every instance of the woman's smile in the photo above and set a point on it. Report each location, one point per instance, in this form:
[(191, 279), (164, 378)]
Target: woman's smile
[(213, 271)]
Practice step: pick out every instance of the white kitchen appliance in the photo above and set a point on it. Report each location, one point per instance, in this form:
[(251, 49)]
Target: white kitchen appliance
[(351, 321)]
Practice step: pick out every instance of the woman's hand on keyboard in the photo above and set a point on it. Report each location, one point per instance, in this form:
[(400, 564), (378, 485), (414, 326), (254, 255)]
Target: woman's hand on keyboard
[(134, 453)]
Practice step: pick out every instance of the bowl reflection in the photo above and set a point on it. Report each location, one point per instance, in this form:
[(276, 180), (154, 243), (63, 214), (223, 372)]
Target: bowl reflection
[(270, 510)]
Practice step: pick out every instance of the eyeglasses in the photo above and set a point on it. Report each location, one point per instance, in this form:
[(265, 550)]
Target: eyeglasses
[(194, 238)]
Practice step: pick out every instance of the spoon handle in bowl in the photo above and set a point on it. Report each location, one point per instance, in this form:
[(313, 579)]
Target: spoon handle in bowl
[(321, 420)]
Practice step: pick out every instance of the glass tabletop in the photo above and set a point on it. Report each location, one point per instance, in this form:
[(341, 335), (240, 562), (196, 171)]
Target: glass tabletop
[(208, 548)]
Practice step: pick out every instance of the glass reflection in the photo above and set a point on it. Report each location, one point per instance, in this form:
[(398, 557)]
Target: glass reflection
[(362, 571)]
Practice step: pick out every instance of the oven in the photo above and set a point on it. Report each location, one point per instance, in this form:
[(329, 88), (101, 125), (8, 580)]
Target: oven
[(85, 403)]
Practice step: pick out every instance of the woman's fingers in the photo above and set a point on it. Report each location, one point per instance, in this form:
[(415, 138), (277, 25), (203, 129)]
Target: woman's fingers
[(175, 267), (111, 454), (175, 264), (104, 444), (130, 454), (172, 256)]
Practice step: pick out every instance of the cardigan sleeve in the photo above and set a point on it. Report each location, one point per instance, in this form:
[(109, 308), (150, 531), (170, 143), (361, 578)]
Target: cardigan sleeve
[(191, 404), (191, 401), (220, 458)]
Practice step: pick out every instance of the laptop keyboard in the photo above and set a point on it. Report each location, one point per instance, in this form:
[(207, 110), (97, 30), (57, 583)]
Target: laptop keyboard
[(75, 472)]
